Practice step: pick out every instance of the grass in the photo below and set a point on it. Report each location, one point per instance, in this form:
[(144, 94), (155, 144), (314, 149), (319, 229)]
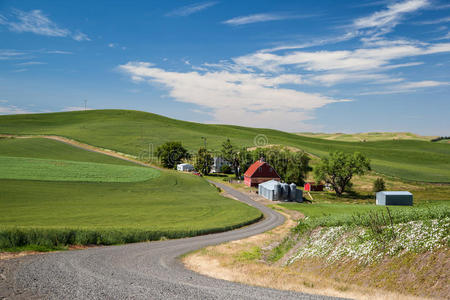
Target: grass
[(138, 133), (52, 214), (66, 170)]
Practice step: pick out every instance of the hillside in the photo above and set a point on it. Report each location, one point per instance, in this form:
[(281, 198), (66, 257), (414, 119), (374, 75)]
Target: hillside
[(53, 205), (367, 136), (137, 133)]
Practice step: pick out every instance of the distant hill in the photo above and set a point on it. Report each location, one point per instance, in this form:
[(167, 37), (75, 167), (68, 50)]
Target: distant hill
[(368, 136), (136, 132)]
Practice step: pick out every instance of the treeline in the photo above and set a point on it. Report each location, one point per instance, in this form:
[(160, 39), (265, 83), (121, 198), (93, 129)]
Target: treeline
[(440, 138), (337, 169)]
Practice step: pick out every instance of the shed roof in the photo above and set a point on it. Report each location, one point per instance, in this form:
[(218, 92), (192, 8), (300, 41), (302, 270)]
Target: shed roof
[(185, 164), (270, 185), (395, 193)]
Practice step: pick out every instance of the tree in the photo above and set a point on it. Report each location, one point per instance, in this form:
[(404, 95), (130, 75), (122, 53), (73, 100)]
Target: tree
[(230, 154), (204, 161), (291, 166), (339, 168), (298, 168), (171, 154), (378, 185), (226, 169)]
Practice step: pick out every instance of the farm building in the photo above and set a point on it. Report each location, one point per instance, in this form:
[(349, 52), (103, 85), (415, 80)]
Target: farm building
[(218, 163), (260, 172), (276, 191), (185, 167), (394, 198), (313, 187)]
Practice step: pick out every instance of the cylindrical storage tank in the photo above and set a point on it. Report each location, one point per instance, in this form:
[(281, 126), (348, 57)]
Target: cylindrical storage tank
[(277, 191), (285, 191), (292, 192)]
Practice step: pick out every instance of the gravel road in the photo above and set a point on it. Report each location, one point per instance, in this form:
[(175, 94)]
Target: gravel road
[(135, 271)]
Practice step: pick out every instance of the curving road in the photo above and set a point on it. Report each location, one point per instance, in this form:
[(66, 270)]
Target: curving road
[(135, 271)]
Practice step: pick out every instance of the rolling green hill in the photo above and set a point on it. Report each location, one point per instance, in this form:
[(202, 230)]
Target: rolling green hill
[(137, 133), (56, 213)]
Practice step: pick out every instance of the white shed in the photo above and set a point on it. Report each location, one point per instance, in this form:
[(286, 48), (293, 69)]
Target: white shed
[(218, 163), (394, 198), (185, 167)]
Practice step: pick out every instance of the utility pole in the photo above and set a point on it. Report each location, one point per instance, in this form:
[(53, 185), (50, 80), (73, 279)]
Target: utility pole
[(204, 141), (85, 104)]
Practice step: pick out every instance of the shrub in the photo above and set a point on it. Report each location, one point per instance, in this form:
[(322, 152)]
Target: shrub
[(378, 185), (226, 169)]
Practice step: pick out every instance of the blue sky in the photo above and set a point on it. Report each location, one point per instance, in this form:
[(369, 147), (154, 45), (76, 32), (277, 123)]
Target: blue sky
[(328, 66)]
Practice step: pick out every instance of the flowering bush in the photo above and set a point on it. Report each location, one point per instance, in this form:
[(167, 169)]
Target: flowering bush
[(362, 244)]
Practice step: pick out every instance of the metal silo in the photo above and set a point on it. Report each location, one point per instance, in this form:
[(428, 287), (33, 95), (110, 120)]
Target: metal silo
[(285, 191), (292, 192)]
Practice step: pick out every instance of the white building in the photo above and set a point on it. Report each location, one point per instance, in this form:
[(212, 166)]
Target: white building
[(185, 167), (218, 163)]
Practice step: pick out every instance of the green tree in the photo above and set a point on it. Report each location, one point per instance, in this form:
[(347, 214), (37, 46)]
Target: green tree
[(378, 185), (171, 153), (339, 168), (230, 154), (298, 168), (291, 166), (204, 161)]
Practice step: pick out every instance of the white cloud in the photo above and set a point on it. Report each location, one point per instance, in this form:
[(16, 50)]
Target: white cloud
[(256, 18), (436, 21), (31, 63), (385, 20), (12, 110), (363, 59), (75, 108), (191, 9), (422, 84), (112, 45), (407, 87), (35, 21), (58, 52), (79, 36), (9, 54), (237, 98)]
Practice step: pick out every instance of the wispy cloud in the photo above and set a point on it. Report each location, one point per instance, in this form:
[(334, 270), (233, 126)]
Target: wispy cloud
[(9, 54), (12, 110), (31, 63), (406, 87), (35, 21), (437, 21), (58, 52), (191, 9), (384, 21), (79, 36), (257, 18)]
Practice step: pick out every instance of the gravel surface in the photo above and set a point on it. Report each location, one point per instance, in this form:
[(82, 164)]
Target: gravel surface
[(135, 271)]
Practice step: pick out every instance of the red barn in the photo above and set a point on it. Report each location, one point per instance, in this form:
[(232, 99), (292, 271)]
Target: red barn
[(260, 172), (311, 187)]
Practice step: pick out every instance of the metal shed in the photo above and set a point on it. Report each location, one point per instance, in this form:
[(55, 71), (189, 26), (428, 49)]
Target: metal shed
[(275, 191), (394, 198), (185, 167)]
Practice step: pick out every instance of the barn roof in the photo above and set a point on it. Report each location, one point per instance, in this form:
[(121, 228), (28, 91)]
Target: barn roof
[(261, 164)]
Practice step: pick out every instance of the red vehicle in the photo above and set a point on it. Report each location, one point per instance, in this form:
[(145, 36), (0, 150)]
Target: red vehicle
[(197, 174), (313, 187)]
